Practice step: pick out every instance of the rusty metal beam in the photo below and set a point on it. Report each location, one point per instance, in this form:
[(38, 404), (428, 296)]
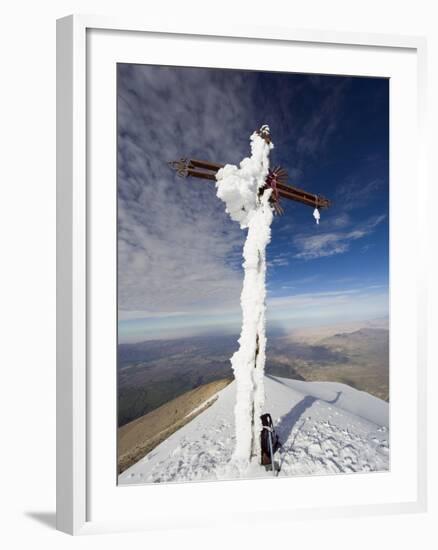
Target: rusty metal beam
[(299, 195), (201, 175), (206, 165), (207, 170)]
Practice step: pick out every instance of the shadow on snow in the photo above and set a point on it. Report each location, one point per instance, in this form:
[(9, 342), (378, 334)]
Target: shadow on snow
[(290, 419)]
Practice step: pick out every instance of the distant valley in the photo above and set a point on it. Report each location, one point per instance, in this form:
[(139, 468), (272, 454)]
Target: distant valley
[(154, 372)]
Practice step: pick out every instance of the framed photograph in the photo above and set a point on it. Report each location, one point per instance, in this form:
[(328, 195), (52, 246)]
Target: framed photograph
[(238, 321)]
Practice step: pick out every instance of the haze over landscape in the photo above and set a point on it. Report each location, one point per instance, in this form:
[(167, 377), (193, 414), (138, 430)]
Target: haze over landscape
[(153, 372)]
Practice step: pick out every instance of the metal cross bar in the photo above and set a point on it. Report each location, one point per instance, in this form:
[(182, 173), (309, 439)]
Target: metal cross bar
[(207, 170)]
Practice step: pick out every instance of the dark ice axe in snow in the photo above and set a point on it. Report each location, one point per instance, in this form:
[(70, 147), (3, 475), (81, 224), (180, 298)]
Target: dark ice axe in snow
[(269, 441)]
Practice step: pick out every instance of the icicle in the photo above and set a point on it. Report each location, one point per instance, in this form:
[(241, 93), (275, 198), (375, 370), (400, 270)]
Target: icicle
[(316, 215)]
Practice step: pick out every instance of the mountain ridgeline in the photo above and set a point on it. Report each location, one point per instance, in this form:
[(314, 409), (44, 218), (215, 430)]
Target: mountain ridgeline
[(154, 372)]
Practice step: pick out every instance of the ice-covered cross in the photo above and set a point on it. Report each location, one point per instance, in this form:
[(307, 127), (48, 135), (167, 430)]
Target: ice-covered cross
[(239, 188), (250, 193)]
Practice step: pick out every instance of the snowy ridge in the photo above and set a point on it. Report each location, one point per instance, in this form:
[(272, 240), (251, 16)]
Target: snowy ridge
[(325, 428)]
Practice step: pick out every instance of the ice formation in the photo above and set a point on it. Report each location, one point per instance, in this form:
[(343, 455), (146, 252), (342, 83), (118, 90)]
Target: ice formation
[(239, 188), (316, 215)]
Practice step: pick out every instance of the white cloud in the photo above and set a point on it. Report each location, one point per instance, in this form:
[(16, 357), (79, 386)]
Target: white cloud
[(177, 249), (281, 260), (332, 306), (341, 220), (323, 122), (329, 244), (355, 193), (300, 309)]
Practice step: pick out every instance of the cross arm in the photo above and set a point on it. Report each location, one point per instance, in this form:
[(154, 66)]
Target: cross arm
[(207, 170), (195, 168), (299, 195)]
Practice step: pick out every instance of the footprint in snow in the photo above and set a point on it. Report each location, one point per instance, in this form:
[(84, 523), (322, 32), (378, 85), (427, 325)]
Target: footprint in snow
[(315, 449), (329, 445), (334, 464), (349, 454)]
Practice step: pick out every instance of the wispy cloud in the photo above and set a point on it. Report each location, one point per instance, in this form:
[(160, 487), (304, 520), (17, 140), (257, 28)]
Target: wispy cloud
[(339, 221), (299, 309), (323, 122), (329, 244), (355, 193), (281, 260), (177, 249), (310, 308)]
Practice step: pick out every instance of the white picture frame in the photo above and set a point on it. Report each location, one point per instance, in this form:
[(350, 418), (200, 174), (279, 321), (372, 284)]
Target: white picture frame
[(75, 337)]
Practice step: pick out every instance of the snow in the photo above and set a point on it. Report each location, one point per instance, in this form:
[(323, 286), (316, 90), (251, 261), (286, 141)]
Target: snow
[(239, 189), (203, 405), (324, 427)]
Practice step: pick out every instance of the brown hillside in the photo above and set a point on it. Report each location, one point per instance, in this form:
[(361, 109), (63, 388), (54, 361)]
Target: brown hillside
[(137, 438)]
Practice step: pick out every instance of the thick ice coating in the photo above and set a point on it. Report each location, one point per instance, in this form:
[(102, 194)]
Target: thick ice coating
[(239, 188)]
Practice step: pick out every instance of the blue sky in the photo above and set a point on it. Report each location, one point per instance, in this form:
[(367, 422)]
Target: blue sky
[(179, 254)]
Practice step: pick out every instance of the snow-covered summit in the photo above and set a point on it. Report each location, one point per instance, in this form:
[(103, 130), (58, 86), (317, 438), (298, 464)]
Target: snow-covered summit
[(325, 428)]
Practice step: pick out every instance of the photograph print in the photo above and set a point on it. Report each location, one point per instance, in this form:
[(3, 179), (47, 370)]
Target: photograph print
[(253, 274)]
